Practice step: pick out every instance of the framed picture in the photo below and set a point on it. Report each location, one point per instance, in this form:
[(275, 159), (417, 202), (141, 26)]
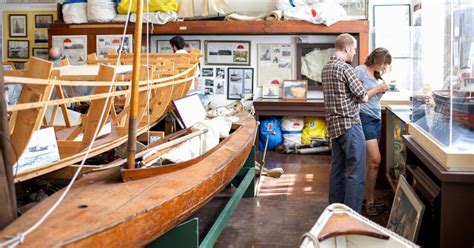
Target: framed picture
[(18, 25), (74, 47), (295, 89), (227, 52), (163, 46), (407, 211), (271, 91), (310, 60), (41, 36), (43, 21), (106, 42), (274, 63), (239, 82), (41, 53), (18, 49)]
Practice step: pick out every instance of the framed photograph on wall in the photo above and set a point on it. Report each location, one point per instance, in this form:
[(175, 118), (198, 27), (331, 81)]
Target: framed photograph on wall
[(43, 21), (18, 49), (163, 46), (295, 89), (274, 63), (18, 25), (74, 47), (407, 211), (106, 42), (41, 37), (227, 52), (239, 82), (41, 53)]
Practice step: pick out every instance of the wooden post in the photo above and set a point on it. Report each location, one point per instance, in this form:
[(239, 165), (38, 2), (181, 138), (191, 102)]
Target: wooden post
[(8, 211), (132, 126)]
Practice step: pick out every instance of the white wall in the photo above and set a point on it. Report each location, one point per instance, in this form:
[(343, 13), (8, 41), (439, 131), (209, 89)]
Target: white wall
[(255, 39)]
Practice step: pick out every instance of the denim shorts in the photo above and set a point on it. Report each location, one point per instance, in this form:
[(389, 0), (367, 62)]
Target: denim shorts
[(371, 126)]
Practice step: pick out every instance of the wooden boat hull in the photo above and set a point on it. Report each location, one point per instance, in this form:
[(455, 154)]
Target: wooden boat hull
[(101, 210)]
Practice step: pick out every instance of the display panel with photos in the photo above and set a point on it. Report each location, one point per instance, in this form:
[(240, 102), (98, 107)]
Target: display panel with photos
[(239, 82), (73, 47), (295, 89), (18, 25), (106, 42), (43, 21), (18, 49), (274, 63), (163, 46), (227, 52)]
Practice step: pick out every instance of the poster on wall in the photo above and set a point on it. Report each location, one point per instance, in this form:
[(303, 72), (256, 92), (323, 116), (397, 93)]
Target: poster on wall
[(106, 42), (274, 63), (239, 82), (227, 52), (163, 46), (73, 47), (41, 37)]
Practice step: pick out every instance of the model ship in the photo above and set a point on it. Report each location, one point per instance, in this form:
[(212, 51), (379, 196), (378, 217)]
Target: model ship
[(125, 205), (462, 103)]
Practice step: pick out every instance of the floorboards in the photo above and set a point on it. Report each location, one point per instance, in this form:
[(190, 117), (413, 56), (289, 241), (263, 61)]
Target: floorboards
[(284, 209)]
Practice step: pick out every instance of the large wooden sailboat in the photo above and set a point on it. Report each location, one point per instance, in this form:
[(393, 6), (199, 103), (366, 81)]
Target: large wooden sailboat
[(110, 208)]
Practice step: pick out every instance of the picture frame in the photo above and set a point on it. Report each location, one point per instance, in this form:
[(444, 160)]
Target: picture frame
[(43, 21), (40, 52), (112, 41), (305, 52), (41, 36), (18, 49), (239, 82), (227, 52), (407, 211), (295, 89), (271, 91), (163, 46), (274, 63), (18, 25), (73, 47)]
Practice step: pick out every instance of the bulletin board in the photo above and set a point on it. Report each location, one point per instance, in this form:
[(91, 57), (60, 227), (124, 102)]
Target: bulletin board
[(34, 37)]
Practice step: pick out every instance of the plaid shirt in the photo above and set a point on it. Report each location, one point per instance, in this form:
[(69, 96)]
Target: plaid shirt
[(342, 93)]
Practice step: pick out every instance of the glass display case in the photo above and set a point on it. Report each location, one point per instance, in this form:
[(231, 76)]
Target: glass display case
[(443, 82)]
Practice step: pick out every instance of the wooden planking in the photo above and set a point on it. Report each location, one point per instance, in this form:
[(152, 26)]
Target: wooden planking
[(116, 214), (29, 120)]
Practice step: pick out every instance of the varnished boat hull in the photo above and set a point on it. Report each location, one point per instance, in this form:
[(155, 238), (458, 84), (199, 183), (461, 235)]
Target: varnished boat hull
[(101, 210)]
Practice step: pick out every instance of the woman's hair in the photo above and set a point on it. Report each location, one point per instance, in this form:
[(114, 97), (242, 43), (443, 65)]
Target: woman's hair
[(378, 56)]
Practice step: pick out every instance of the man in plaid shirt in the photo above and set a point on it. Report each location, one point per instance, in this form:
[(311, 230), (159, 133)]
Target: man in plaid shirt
[(342, 94)]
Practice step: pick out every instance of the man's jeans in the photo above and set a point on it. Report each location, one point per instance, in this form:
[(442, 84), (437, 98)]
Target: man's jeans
[(346, 181)]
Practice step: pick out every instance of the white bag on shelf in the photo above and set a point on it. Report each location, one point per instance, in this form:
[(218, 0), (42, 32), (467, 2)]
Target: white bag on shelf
[(75, 11), (291, 128), (101, 10)]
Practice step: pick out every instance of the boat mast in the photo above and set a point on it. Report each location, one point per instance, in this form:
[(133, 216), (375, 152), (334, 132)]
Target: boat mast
[(132, 126), (8, 212)]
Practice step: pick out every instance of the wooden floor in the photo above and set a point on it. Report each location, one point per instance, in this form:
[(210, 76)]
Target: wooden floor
[(284, 209)]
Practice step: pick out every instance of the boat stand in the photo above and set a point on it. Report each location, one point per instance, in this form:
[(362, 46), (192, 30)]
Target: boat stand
[(186, 234)]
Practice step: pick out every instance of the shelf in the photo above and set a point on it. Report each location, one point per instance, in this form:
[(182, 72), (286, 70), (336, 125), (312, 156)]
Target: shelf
[(358, 28)]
